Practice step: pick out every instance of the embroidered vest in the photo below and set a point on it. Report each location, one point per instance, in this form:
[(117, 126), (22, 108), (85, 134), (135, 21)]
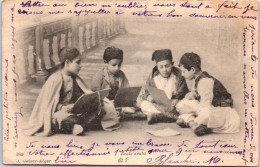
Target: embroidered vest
[(221, 97)]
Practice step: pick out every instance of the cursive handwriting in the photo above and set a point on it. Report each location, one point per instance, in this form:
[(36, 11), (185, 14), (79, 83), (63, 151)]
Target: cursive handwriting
[(188, 5), (131, 5), (246, 96), (29, 12), (6, 137), (82, 4), (15, 90), (253, 122), (33, 4), (14, 41), (84, 152), (86, 12), (31, 144), (16, 122), (6, 72), (58, 5), (129, 149), (207, 144), (40, 152), (147, 13), (157, 151), (170, 14), (244, 79), (227, 5), (249, 7), (253, 42), (114, 143), (57, 160), (14, 69), (252, 96), (222, 152), (50, 146), (12, 9), (167, 159), (184, 143), (254, 74), (151, 143), (72, 145), (164, 5), (244, 39), (5, 105), (206, 16)]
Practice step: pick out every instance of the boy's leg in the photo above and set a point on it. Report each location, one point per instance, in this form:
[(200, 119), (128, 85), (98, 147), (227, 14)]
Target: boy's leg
[(71, 124), (156, 116), (162, 117), (95, 124), (199, 124), (187, 108), (148, 108), (110, 119), (202, 115), (184, 119)]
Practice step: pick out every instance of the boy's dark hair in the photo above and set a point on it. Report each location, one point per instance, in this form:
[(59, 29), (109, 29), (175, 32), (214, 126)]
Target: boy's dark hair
[(112, 53), (68, 53), (162, 54), (189, 60)]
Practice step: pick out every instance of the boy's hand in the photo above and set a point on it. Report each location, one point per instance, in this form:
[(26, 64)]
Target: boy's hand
[(149, 98), (59, 116), (174, 102), (189, 96), (67, 108)]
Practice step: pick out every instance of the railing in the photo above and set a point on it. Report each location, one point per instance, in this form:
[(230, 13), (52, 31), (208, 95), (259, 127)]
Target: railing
[(39, 44)]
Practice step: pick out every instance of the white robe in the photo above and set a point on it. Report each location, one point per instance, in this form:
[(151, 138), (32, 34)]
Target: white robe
[(165, 84), (219, 119)]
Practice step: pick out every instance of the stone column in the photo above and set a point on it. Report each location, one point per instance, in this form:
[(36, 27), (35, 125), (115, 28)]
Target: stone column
[(108, 27), (94, 25), (40, 66), (30, 54), (46, 54), (81, 48), (21, 66), (122, 25), (75, 36)]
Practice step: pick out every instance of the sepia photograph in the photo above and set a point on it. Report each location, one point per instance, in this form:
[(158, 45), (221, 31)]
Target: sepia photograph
[(130, 82)]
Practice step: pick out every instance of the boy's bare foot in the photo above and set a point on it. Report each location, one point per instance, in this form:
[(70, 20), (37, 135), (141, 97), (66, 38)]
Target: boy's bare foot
[(193, 125), (182, 123), (77, 129)]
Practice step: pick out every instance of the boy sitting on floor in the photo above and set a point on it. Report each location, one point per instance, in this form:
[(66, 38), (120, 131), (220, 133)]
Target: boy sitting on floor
[(208, 107), (167, 78)]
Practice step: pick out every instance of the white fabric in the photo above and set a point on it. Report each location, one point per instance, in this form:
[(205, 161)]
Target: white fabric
[(219, 119), (205, 90), (129, 110), (166, 84), (202, 113), (224, 120), (187, 117), (110, 121), (186, 106), (148, 108)]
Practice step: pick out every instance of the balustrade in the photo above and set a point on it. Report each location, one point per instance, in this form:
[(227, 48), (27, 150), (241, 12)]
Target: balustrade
[(39, 45)]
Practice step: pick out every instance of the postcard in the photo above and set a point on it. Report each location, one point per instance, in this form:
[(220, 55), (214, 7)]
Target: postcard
[(202, 54)]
